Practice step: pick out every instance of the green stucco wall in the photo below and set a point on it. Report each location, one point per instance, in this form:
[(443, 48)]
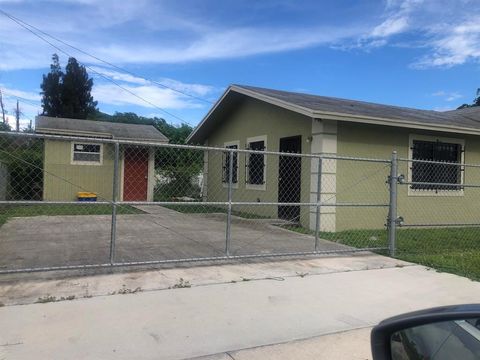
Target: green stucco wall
[(256, 118), (365, 140), (62, 180)]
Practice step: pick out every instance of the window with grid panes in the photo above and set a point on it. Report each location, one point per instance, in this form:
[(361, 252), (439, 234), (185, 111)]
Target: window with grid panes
[(85, 153), (226, 164), (256, 164), (435, 173)]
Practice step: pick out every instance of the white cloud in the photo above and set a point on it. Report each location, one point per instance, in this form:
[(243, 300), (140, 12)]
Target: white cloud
[(236, 42), (28, 95), (165, 34), (447, 30), (390, 27), (160, 36), (453, 45), (117, 76), (193, 89), (448, 96), (396, 20), (164, 93), (444, 108), (29, 102), (23, 122), (154, 96)]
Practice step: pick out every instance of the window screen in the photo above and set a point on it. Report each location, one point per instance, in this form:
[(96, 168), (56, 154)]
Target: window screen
[(87, 153), (436, 173), (256, 164), (226, 165)]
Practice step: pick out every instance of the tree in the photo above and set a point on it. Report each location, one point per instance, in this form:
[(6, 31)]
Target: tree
[(77, 101), (67, 94), (5, 127), (476, 101), (52, 89)]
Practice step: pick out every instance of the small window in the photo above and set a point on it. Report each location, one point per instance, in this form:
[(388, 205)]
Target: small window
[(256, 164), (85, 154), (432, 175), (226, 165)]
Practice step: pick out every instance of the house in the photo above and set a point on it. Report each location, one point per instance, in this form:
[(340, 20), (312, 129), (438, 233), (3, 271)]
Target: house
[(86, 165), (247, 117)]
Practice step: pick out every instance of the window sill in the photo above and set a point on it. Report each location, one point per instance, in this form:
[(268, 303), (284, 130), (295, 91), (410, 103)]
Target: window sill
[(259, 187), (234, 185), (433, 193), (86, 163)]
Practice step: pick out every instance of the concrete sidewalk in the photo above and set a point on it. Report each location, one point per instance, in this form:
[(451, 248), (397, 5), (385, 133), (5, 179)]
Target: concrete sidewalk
[(217, 317)]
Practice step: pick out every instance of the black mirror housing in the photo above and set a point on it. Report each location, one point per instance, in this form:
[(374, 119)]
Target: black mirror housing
[(382, 333)]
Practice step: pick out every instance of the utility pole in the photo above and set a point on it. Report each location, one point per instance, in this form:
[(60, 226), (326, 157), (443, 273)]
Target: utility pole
[(17, 118), (2, 108)]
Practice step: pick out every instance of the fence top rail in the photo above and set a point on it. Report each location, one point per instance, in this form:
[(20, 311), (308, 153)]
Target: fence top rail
[(187, 147), (438, 162)]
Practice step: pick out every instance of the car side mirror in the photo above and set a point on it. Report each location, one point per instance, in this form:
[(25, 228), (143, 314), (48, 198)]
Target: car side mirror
[(448, 332)]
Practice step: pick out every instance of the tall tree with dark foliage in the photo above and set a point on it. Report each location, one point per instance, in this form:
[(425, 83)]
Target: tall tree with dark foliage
[(52, 89), (67, 94), (77, 101)]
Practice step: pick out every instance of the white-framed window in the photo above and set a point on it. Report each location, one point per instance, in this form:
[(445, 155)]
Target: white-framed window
[(226, 163), (433, 163), (85, 153), (256, 165)]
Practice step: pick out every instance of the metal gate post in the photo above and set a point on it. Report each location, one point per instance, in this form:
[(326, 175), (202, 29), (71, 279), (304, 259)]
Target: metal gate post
[(392, 213), (229, 213), (113, 230), (319, 199)]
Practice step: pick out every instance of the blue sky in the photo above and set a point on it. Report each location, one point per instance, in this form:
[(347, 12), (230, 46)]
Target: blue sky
[(415, 53)]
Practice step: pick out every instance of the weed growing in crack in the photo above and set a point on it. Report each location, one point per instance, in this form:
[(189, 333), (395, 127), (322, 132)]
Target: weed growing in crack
[(181, 284)]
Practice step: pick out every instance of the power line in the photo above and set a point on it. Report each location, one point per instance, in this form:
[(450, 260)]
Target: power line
[(104, 61), (90, 68), (22, 99)]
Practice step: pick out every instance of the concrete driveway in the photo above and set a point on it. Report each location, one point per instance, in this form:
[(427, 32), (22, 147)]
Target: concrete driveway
[(158, 234)]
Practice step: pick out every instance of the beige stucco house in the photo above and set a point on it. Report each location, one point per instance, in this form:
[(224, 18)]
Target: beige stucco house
[(86, 164), (248, 117)]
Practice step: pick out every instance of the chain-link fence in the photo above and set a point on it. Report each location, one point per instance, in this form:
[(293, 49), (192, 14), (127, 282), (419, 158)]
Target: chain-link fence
[(78, 202), (438, 210)]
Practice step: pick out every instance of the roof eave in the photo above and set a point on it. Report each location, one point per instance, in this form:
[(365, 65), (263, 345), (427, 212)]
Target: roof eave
[(394, 123), (332, 115), (79, 133)]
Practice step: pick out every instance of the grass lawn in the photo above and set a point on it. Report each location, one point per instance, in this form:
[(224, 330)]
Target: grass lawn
[(9, 211), (454, 250), (209, 209)]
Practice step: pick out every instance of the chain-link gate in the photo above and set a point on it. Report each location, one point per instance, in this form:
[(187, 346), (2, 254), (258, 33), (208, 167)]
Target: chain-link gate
[(76, 202)]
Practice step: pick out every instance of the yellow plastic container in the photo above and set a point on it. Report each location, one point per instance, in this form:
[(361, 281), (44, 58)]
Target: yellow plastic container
[(86, 196)]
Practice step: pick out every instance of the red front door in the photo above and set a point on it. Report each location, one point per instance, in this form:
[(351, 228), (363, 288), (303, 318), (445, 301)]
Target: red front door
[(135, 174)]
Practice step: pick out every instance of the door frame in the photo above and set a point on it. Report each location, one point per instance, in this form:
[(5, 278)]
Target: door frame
[(299, 137), (150, 173)]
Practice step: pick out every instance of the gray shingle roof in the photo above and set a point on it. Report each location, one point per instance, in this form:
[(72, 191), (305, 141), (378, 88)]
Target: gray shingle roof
[(469, 117), (471, 112), (315, 106), (63, 126)]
